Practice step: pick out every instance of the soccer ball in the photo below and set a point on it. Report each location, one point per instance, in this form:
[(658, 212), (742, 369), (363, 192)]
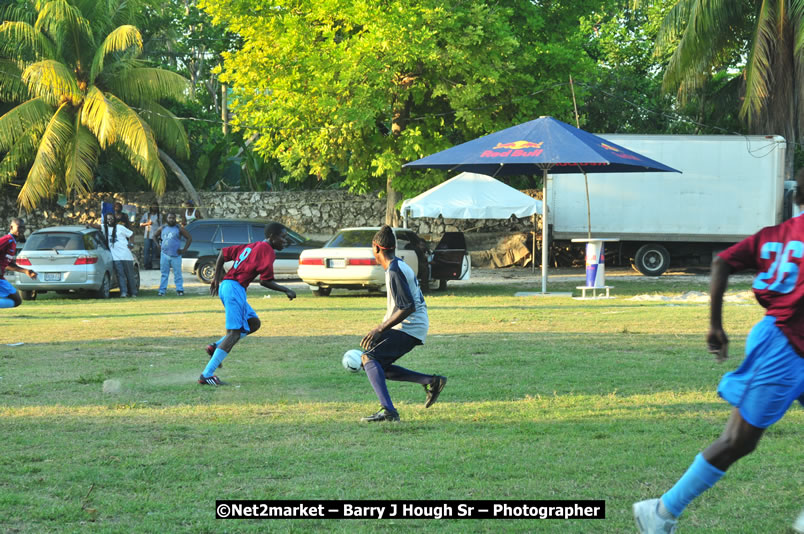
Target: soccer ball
[(351, 360)]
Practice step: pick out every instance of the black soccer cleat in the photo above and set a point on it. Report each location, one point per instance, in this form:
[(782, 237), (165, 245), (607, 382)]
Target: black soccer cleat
[(211, 381), (382, 415), (434, 390)]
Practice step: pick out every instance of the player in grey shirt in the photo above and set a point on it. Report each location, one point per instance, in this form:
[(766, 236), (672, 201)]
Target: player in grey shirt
[(404, 326)]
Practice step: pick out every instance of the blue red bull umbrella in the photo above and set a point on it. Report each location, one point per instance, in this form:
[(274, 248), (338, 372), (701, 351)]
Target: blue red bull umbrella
[(542, 146)]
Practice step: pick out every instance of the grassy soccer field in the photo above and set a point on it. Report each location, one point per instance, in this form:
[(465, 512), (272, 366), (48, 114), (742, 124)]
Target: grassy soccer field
[(548, 398)]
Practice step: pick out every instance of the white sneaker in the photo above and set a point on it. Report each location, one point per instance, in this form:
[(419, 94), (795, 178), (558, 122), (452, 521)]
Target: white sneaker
[(648, 520), (798, 526)]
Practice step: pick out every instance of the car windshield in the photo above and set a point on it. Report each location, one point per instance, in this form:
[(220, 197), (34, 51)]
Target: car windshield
[(54, 241), (352, 238)]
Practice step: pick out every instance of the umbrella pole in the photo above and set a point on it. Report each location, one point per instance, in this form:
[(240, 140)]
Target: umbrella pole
[(544, 231)]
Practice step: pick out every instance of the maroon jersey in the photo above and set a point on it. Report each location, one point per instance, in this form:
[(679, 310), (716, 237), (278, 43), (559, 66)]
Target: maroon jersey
[(8, 249), (777, 252), (250, 261)]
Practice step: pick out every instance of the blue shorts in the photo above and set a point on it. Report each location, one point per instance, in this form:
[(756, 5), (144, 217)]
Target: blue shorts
[(770, 378), (392, 345), (238, 310), (6, 288)]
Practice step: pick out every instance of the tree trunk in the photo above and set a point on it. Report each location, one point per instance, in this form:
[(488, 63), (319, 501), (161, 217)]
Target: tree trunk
[(399, 122), (392, 196), (185, 182)]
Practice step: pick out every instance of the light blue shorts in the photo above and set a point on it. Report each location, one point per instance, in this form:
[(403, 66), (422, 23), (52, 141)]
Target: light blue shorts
[(770, 378), (6, 288), (238, 310)]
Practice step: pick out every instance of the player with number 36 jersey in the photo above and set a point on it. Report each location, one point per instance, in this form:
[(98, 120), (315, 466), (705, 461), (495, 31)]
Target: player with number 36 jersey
[(249, 262), (770, 378)]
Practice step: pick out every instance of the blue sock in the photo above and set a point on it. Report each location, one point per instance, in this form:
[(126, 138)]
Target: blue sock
[(700, 476), (214, 362), (377, 378), (6, 303)]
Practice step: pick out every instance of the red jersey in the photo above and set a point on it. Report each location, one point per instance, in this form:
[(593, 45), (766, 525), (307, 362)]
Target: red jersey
[(250, 261), (8, 249), (777, 252)]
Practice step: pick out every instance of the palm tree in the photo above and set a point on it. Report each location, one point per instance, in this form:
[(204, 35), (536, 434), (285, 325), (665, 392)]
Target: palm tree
[(73, 68), (767, 34)]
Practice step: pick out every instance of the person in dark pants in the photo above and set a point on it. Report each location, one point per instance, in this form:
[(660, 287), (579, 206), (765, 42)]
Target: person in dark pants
[(151, 221), (404, 326)]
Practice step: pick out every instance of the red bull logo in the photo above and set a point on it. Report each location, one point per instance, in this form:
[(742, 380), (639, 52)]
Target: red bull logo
[(516, 149), (619, 153)]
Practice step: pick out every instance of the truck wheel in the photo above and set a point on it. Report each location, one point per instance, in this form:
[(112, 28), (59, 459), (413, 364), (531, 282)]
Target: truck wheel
[(205, 271), (651, 259), (322, 291)]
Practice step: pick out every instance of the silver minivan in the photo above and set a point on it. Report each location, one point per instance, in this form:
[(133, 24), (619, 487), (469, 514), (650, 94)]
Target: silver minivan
[(66, 258)]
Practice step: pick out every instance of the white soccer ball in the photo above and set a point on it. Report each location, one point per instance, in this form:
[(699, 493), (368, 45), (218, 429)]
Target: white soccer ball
[(352, 360)]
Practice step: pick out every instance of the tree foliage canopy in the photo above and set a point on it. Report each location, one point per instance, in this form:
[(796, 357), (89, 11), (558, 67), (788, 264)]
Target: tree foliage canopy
[(353, 89), (73, 69)]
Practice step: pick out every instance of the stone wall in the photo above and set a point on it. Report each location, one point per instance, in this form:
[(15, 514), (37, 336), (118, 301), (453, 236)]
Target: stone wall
[(316, 214)]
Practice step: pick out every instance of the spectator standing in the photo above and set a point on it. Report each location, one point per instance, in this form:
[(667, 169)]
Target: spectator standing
[(171, 235), (190, 214), (151, 221)]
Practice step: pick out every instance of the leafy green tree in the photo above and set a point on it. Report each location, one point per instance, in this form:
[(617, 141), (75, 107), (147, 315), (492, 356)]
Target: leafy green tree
[(755, 44), (73, 68), (352, 89)]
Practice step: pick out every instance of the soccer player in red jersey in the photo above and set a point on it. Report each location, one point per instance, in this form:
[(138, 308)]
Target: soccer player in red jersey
[(250, 261), (770, 378), (9, 296)]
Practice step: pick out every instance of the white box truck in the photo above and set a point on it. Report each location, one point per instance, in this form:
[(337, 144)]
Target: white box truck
[(730, 187)]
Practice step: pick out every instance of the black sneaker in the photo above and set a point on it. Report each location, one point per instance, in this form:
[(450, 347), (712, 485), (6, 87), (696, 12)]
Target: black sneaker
[(382, 415), (433, 390), (180, 293), (211, 350), (211, 381)]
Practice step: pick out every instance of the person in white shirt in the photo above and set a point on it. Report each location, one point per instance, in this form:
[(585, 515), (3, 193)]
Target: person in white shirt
[(117, 237)]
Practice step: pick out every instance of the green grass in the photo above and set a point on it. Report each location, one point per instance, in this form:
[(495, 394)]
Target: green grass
[(548, 398)]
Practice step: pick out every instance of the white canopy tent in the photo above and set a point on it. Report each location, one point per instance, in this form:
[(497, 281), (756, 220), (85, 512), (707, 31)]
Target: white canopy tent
[(472, 196)]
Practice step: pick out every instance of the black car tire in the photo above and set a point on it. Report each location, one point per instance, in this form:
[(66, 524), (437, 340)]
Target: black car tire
[(442, 284), (205, 271), (28, 294), (105, 287), (322, 291)]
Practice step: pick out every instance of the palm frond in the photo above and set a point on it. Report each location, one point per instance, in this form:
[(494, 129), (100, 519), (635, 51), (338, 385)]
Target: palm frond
[(20, 38), (98, 116), (139, 85), (167, 129), (21, 119), (12, 88), (135, 140), (52, 81), (118, 40), (81, 158), (20, 156), (19, 12), (758, 67), (48, 166), (63, 22), (797, 15)]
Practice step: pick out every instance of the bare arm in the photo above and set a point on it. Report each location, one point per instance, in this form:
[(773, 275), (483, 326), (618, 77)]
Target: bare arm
[(218, 276), (14, 267), (187, 238), (716, 340), (271, 284)]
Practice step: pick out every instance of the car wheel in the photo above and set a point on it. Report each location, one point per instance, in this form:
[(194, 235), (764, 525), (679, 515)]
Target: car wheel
[(28, 294), (205, 271), (442, 284), (322, 291), (105, 287)]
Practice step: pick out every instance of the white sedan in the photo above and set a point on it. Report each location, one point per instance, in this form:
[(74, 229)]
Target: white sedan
[(347, 262)]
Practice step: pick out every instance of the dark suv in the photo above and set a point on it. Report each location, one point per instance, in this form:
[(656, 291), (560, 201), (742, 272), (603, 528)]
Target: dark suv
[(211, 235)]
